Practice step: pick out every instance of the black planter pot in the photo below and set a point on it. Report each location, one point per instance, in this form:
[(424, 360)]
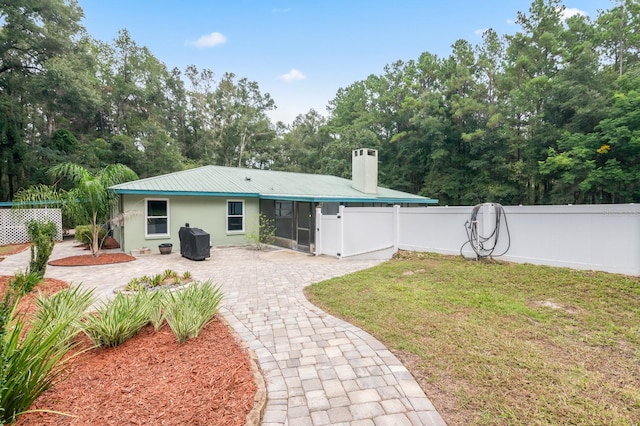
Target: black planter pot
[(165, 248)]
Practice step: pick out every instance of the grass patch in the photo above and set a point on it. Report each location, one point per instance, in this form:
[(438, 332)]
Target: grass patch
[(502, 343)]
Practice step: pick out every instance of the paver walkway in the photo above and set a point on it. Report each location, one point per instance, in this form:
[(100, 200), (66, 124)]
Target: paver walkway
[(319, 370)]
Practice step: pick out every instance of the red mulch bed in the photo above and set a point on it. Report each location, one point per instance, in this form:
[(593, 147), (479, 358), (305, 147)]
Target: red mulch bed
[(153, 380), (13, 249), (87, 259), (26, 305), (150, 379)]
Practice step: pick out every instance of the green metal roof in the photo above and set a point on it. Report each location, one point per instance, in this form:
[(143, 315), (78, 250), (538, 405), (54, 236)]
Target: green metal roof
[(266, 184)]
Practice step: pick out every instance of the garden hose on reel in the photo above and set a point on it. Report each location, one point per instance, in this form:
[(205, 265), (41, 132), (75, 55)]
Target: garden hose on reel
[(485, 245)]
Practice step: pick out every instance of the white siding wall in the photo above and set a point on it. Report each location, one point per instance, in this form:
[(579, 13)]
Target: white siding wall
[(596, 237)]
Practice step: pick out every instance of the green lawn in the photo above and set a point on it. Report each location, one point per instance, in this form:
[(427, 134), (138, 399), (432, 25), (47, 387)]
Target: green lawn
[(502, 343)]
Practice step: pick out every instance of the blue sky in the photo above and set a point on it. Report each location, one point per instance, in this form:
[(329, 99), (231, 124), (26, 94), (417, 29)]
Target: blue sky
[(302, 52)]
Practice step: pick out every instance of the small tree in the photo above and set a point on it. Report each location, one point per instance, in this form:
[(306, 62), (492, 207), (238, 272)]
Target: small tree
[(42, 234), (90, 201)]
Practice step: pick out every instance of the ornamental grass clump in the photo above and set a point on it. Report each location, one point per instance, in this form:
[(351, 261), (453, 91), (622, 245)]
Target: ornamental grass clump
[(118, 320), (156, 302), (66, 306), (33, 356), (31, 362), (189, 310)]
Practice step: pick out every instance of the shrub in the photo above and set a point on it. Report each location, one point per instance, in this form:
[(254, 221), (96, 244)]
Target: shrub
[(264, 235), (22, 283), (84, 234), (118, 320), (189, 310), (42, 235)]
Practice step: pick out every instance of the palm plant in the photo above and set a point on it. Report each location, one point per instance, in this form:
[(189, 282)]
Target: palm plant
[(89, 201)]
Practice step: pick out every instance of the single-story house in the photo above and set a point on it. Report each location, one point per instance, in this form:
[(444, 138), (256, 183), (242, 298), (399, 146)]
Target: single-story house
[(226, 202)]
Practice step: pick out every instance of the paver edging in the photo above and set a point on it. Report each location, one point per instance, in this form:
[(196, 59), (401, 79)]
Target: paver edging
[(254, 417)]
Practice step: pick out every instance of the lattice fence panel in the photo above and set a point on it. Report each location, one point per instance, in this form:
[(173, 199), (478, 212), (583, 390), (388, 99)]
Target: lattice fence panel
[(13, 223)]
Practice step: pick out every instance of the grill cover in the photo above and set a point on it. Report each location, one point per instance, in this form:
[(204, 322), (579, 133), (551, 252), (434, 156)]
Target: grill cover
[(194, 243)]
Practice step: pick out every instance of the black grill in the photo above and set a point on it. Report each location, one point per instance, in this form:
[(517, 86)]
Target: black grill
[(194, 243)]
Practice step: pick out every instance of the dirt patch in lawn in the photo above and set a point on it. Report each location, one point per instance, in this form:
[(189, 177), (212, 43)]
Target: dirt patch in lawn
[(88, 260), (151, 379)]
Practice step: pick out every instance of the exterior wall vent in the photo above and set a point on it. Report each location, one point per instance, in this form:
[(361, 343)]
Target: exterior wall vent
[(364, 170)]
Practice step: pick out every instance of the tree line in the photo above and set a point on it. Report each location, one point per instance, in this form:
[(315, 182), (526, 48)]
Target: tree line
[(549, 114)]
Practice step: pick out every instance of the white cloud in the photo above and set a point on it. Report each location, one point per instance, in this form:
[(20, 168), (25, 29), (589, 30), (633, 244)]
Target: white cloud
[(480, 31), (568, 12), (510, 22), (292, 75), (210, 40)]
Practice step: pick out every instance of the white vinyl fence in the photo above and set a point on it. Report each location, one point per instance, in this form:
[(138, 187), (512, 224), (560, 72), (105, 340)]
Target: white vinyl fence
[(13, 223), (594, 237)]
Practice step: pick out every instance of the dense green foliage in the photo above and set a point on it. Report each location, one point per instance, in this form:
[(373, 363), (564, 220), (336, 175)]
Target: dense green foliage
[(545, 115), (31, 363), (88, 201)]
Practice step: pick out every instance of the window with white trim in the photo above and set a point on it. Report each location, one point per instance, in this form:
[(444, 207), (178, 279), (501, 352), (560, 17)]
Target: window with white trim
[(157, 217), (235, 216)]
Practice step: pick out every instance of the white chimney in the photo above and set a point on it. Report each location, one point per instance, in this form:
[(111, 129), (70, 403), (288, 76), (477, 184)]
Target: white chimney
[(364, 170)]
